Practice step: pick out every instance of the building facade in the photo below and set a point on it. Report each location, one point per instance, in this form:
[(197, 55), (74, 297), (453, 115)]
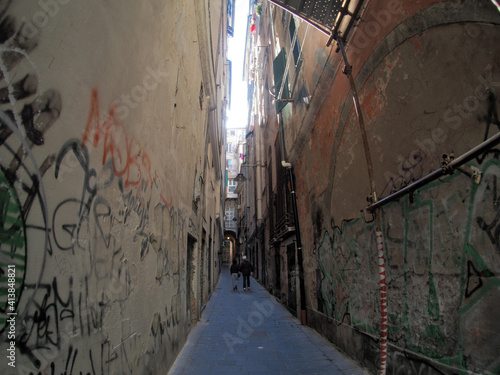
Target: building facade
[(112, 181), (384, 137), (235, 149)]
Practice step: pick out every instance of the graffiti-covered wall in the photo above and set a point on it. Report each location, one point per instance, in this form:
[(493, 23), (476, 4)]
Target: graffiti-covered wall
[(103, 133), (429, 84)]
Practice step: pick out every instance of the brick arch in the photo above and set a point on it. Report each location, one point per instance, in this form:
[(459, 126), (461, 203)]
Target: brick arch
[(441, 14), (437, 15)]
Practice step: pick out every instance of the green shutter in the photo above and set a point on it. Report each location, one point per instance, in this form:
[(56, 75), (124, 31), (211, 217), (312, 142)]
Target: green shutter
[(279, 65)]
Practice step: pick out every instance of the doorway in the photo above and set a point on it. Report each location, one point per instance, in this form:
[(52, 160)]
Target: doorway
[(190, 271), (292, 277)]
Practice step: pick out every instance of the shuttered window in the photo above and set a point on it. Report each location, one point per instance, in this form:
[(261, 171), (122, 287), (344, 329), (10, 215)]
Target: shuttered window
[(281, 90), (294, 42)]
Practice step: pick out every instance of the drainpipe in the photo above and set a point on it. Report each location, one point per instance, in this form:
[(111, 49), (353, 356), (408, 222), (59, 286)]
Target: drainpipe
[(300, 259), (378, 228), (258, 153)]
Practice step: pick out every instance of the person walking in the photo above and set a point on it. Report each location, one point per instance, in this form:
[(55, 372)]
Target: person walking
[(235, 274), (246, 270)]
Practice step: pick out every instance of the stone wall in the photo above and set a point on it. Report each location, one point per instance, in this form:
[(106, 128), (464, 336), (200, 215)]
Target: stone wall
[(429, 84), (104, 133)]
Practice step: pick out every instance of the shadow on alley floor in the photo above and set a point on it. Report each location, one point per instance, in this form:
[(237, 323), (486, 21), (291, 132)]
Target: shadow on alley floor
[(251, 333)]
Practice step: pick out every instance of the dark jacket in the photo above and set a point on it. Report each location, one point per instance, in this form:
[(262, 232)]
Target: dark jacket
[(246, 268), (234, 269)]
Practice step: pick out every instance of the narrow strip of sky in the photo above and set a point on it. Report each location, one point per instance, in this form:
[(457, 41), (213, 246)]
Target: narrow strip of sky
[(238, 114), (496, 3)]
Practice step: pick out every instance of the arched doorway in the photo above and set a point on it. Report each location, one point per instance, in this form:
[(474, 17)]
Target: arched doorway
[(229, 249)]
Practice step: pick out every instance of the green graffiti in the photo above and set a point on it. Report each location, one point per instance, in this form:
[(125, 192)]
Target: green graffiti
[(441, 284), (12, 250), (341, 262)]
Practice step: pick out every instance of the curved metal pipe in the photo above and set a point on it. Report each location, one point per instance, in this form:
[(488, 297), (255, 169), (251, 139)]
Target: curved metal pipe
[(378, 226)]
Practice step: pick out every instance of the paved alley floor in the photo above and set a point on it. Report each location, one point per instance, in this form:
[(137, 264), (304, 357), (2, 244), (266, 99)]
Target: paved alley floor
[(251, 333)]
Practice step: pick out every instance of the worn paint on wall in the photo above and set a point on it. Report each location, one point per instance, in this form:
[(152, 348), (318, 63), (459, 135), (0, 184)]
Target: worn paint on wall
[(84, 239), (421, 99), (434, 287), (93, 251)]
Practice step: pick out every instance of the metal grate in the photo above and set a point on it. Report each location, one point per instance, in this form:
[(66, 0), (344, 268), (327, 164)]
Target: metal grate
[(333, 17), (322, 11)]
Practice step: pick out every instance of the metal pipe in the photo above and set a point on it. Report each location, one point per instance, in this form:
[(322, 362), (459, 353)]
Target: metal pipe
[(300, 258), (471, 154), (430, 177), (445, 169), (378, 225), (359, 113)]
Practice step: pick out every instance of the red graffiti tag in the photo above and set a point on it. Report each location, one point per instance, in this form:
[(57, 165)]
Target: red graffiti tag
[(125, 153)]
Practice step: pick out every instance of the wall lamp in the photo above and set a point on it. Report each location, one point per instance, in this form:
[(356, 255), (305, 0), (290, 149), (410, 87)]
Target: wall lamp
[(240, 178)]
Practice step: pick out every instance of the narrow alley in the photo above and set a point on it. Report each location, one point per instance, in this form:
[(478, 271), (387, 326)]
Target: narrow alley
[(350, 151), (249, 332)]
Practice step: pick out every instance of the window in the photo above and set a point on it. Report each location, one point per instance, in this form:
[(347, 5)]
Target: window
[(230, 17), (231, 186), (294, 40), (201, 96), (229, 213), (281, 88), (283, 18)]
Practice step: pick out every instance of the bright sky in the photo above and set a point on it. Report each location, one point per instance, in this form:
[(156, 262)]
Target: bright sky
[(238, 114)]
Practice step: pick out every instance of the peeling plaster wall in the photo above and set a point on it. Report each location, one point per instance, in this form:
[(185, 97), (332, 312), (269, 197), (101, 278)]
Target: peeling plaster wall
[(428, 75), (103, 141)]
